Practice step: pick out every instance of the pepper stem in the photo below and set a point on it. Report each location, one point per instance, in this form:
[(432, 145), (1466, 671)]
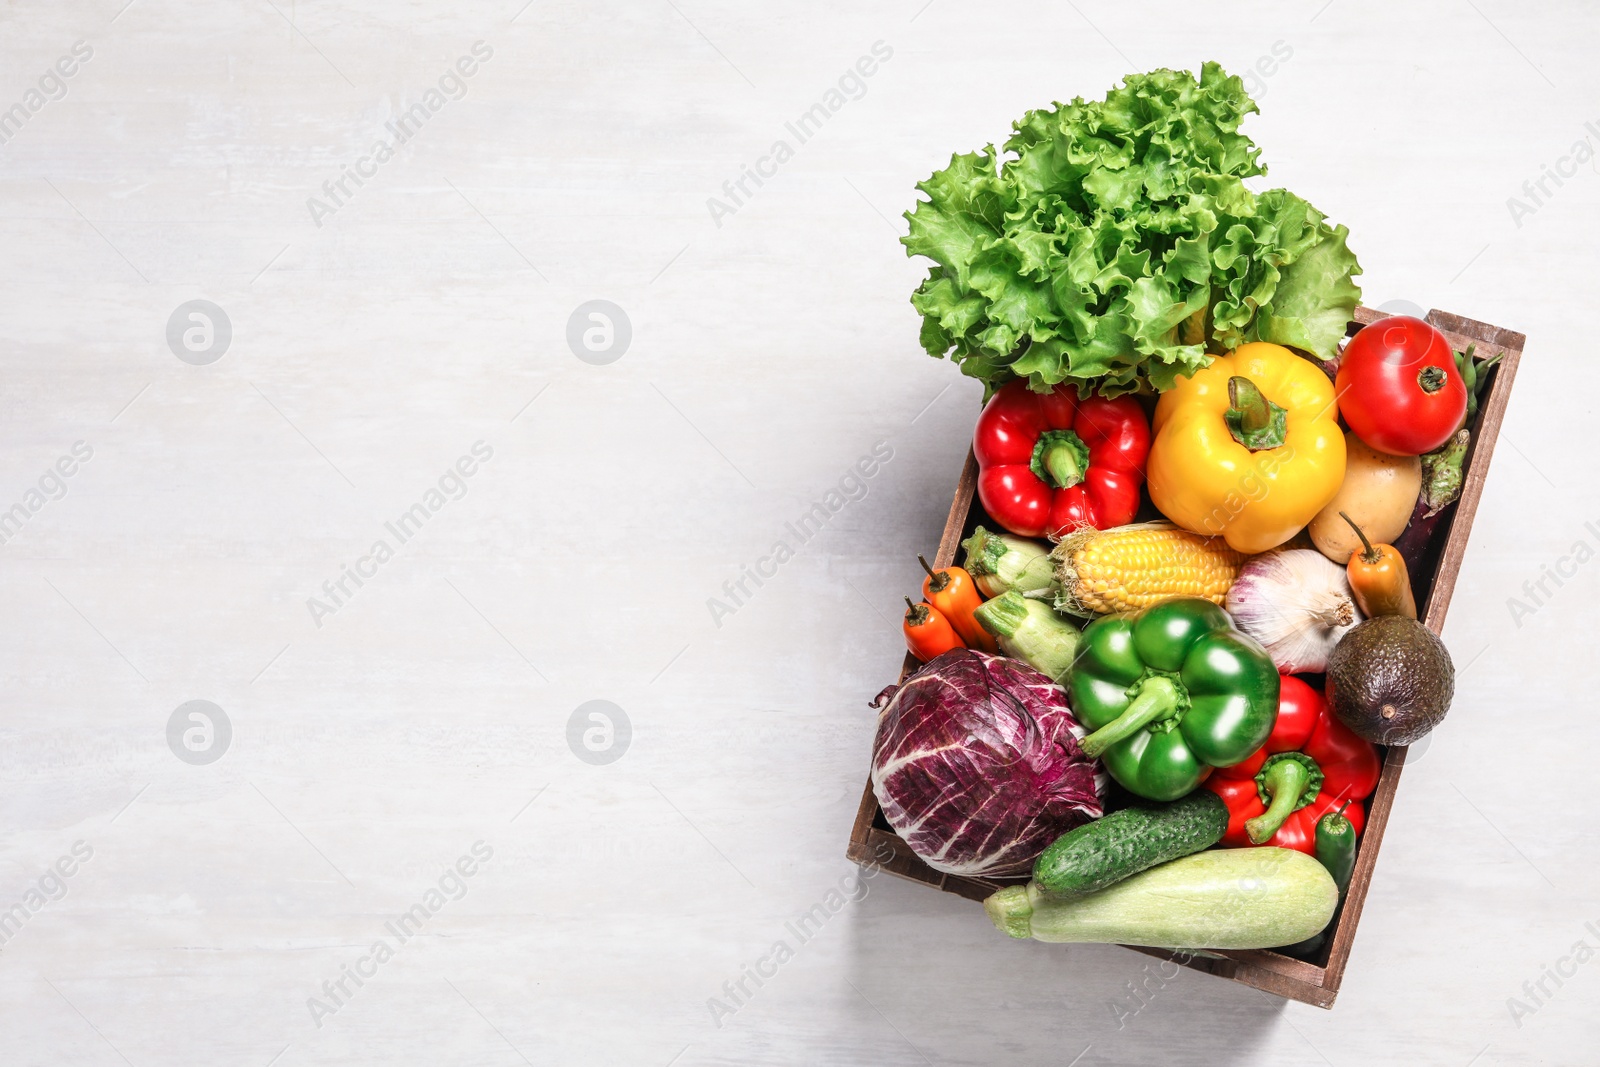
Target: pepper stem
[(1368, 553), (1255, 422), (1060, 458), (940, 578), (916, 614), (1157, 699), (1285, 781)]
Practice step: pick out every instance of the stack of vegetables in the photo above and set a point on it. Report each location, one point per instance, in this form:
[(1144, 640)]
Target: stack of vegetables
[(1158, 684)]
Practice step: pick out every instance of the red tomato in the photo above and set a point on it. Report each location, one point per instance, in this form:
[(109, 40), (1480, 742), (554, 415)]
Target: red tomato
[(1398, 387)]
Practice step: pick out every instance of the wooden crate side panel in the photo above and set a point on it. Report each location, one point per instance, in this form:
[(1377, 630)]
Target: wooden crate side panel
[(863, 826), (889, 853), (966, 493), (1284, 986), (1489, 341)]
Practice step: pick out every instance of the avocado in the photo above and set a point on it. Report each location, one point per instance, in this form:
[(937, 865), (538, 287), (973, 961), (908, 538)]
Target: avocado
[(1390, 680)]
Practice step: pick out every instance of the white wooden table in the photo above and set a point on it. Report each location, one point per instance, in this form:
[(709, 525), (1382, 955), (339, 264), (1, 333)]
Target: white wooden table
[(398, 748)]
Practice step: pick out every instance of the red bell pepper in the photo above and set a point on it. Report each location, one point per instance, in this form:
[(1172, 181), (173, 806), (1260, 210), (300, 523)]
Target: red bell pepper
[(1049, 463), (1310, 765)]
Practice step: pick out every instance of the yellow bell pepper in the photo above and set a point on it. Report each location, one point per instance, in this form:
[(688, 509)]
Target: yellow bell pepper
[(1247, 449)]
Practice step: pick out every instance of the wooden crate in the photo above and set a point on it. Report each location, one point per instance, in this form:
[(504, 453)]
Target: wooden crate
[(871, 838)]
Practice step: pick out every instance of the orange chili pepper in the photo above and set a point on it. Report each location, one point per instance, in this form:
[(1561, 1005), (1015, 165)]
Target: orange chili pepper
[(928, 633), (955, 594), (1378, 578)]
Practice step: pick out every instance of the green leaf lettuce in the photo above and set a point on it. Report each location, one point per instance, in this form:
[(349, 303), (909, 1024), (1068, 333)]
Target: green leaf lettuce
[(1114, 238)]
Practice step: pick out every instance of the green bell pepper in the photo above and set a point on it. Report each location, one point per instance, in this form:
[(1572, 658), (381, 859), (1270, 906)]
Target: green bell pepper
[(1170, 692)]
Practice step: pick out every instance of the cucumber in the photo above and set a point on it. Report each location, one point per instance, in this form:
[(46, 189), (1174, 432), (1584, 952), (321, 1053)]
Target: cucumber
[(1231, 898), (1122, 844)]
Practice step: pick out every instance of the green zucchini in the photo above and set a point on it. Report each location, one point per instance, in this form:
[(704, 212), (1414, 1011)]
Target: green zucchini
[(1232, 898), (999, 562), (1030, 630), (1122, 844)]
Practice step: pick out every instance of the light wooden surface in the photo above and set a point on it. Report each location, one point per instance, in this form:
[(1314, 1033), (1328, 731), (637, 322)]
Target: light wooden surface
[(769, 354)]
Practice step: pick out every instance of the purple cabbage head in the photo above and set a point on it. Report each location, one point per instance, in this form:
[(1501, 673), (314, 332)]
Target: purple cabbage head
[(977, 765)]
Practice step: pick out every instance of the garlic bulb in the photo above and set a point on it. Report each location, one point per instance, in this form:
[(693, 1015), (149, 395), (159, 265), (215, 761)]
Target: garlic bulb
[(1297, 603)]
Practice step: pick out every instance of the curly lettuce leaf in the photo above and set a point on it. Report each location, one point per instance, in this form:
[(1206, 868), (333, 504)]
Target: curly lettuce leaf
[(1110, 231), (1316, 297)]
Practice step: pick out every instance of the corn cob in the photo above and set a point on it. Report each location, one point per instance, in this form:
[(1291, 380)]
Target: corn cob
[(1131, 567)]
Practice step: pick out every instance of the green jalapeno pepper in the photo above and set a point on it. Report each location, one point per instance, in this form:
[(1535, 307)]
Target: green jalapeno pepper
[(1336, 850), (1336, 847)]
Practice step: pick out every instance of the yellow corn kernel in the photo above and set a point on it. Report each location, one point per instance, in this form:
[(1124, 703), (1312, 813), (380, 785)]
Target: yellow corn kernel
[(1132, 567)]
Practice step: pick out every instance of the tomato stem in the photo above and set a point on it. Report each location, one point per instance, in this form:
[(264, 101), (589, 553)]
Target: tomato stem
[(1432, 379)]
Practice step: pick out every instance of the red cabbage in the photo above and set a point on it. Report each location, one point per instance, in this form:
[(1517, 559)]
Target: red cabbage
[(977, 765)]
